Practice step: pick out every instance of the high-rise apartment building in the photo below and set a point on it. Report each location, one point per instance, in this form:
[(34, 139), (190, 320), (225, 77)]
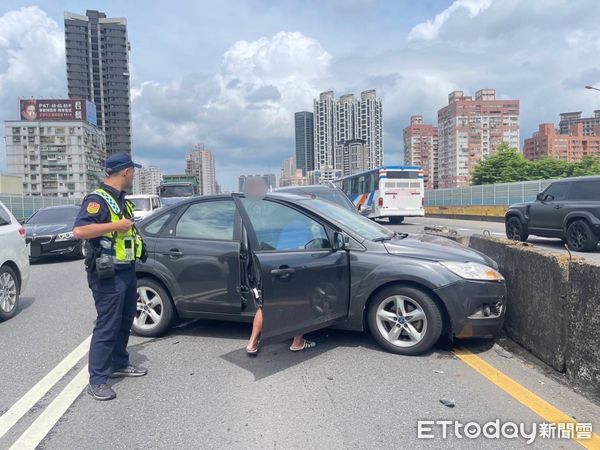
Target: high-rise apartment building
[(200, 163), (351, 157), (470, 130), (325, 117), (573, 147), (574, 118), (370, 126), (97, 50), (56, 149), (347, 120), (305, 141), (421, 149), (147, 180)]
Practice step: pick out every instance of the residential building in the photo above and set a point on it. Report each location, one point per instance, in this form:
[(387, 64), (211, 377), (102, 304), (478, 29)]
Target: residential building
[(270, 180), (147, 180), (573, 147), (470, 130), (55, 154), (347, 119), (290, 175), (324, 175), (325, 130), (305, 141), (200, 163), (370, 123), (573, 118), (421, 149), (97, 56), (351, 156)]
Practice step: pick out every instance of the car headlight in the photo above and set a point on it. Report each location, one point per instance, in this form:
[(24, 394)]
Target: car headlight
[(65, 237), (472, 271)]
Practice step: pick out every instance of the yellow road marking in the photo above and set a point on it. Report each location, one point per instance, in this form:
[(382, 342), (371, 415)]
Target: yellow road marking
[(538, 405)]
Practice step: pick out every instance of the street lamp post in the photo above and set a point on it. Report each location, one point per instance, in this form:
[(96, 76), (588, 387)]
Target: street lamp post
[(592, 87)]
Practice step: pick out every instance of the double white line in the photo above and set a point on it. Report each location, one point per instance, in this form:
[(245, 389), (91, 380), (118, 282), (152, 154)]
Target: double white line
[(31, 438)]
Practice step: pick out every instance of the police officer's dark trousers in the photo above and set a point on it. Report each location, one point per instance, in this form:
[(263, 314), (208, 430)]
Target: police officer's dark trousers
[(115, 300)]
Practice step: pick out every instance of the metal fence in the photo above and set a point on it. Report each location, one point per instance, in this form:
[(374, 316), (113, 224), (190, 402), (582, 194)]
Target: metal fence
[(488, 194), (22, 206)]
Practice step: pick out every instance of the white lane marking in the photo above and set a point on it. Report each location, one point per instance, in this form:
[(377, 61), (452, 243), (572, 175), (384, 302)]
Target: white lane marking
[(38, 430), (25, 403)]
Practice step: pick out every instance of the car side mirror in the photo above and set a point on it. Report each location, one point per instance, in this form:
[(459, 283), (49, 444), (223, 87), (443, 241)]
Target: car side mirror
[(340, 241), (540, 197)]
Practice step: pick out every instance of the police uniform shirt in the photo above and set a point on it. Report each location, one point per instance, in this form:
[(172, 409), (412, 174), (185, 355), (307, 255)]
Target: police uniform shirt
[(95, 210)]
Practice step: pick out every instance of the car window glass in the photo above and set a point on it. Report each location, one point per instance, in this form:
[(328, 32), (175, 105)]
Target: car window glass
[(279, 227), (557, 190), (157, 225), (207, 220), (584, 191), (4, 217), (54, 216)]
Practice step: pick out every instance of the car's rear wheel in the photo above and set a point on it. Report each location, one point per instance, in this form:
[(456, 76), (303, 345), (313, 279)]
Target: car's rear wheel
[(9, 293), (396, 220), (155, 313), (405, 320), (580, 237), (515, 230)]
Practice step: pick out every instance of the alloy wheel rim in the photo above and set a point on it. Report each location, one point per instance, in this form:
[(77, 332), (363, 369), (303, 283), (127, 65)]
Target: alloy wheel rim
[(8, 292), (401, 321), (577, 237), (149, 309)]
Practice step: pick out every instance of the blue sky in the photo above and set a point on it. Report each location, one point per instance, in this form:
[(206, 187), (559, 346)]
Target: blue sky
[(231, 74)]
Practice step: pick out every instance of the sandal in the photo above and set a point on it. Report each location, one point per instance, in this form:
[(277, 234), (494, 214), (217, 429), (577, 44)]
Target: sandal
[(307, 345), (253, 351)]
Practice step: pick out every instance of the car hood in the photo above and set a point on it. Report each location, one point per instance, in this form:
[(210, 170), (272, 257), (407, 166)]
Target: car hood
[(47, 228), (436, 248), (520, 205)]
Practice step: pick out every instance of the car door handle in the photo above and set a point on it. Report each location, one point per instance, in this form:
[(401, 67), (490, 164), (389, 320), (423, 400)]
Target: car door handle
[(174, 253), (283, 272), (557, 206)]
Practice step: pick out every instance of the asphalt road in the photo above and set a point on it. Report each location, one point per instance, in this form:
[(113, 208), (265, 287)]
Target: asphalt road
[(496, 229), (202, 391)]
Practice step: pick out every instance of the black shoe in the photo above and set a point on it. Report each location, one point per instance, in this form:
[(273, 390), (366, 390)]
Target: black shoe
[(129, 371), (101, 392)]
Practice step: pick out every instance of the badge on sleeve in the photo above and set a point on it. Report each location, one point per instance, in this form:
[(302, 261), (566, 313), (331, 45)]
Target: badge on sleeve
[(93, 208)]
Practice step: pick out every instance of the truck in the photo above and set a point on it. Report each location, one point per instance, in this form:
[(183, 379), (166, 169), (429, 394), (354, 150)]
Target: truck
[(171, 192)]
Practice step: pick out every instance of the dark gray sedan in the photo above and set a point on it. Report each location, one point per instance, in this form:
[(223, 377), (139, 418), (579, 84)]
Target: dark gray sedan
[(316, 265)]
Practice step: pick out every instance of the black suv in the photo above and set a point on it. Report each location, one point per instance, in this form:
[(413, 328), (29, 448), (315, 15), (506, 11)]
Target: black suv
[(568, 209)]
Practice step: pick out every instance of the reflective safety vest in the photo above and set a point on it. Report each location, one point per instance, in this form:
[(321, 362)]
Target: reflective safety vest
[(124, 247)]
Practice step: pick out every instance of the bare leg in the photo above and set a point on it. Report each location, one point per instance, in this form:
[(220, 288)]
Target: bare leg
[(298, 341), (257, 325)]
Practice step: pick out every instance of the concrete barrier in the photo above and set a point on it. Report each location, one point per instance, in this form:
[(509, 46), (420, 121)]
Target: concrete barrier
[(471, 212), (553, 306)]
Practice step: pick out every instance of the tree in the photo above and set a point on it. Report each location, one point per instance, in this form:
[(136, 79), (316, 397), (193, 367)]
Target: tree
[(505, 166)]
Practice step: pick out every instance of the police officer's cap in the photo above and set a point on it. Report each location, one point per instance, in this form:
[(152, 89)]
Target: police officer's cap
[(118, 162)]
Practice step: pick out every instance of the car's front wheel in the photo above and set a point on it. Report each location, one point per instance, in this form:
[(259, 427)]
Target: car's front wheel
[(154, 313), (80, 250), (396, 220), (515, 230), (580, 237), (405, 320), (9, 293)]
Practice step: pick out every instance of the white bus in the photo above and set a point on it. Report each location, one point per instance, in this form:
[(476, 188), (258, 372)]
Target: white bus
[(394, 192)]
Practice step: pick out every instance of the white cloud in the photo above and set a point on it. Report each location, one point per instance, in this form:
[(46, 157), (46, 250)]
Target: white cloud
[(32, 60), (430, 29), (244, 113)]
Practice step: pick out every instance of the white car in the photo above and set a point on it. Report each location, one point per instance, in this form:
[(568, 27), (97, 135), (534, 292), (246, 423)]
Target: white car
[(14, 263), (144, 205)]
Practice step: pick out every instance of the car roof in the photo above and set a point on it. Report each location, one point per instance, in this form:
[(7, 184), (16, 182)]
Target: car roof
[(59, 207), (141, 196), (576, 179), (309, 188)]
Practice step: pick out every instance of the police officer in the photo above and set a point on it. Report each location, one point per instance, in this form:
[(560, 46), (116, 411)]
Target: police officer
[(105, 221)]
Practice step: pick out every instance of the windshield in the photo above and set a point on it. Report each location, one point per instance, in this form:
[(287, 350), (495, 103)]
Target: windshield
[(140, 204), (54, 215), (176, 191), (336, 197), (355, 222)]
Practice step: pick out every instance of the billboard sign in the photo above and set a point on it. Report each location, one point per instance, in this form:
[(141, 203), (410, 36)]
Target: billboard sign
[(58, 110)]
